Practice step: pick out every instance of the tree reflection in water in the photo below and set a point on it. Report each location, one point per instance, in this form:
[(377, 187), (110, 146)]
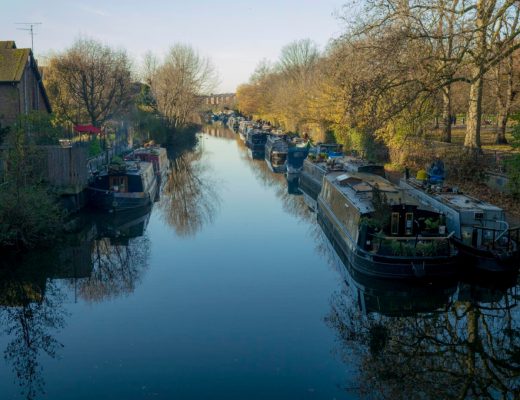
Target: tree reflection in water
[(104, 260), (113, 256), (31, 313), (470, 348), (190, 199), (117, 268)]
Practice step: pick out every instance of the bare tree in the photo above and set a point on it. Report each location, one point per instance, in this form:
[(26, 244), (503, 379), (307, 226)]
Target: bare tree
[(180, 81), (89, 82), (299, 58)]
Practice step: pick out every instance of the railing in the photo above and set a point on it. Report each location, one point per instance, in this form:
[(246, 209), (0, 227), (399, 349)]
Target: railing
[(494, 238), (412, 246)]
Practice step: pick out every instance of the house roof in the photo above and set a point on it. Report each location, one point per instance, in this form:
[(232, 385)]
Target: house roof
[(12, 66), (7, 44), (12, 63)]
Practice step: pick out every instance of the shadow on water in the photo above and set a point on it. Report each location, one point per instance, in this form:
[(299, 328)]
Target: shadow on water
[(104, 259)]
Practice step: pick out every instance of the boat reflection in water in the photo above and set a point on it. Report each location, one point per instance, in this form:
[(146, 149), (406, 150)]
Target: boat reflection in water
[(105, 258), (399, 298), (293, 184)]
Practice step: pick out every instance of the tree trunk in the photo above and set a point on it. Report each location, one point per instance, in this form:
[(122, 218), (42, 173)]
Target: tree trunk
[(504, 103), (474, 117), (446, 114), (500, 134)]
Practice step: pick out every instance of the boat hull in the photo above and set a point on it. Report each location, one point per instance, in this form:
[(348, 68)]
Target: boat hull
[(427, 268), (486, 261), (110, 201)]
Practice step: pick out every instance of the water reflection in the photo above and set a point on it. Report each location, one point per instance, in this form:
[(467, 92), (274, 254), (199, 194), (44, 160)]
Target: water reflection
[(293, 205), (118, 257), (104, 259), (429, 342), (190, 198), (219, 130), (31, 314)]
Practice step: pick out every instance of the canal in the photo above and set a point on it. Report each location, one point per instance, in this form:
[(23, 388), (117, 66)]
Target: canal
[(229, 289)]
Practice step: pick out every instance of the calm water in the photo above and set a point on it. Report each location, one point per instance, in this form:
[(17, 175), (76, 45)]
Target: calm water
[(228, 289)]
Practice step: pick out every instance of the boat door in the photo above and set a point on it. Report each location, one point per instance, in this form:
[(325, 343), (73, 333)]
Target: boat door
[(118, 184)]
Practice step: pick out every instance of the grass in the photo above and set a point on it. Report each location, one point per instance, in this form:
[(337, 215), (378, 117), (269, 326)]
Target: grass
[(487, 137)]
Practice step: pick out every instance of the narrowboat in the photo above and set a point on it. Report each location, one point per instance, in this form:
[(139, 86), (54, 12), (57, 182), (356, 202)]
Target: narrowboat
[(315, 168), (255, 141), (480, 229), (296, 154), (125, 186), (381, 235), (276, 149), (327, 150), (155, 155), (243, 128), (311, 178)]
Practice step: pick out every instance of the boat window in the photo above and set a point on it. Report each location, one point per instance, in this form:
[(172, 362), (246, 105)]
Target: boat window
[(409, 223), (394, 228), (118, 183)]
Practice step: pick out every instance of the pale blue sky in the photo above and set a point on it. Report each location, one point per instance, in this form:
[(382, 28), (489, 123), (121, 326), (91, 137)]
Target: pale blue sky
[(235, 34)]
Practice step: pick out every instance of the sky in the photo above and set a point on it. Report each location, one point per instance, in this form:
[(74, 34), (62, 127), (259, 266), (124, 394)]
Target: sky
[(236, 35)]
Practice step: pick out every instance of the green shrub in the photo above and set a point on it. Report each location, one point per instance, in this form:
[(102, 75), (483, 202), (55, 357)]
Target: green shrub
[(94, 148), (29, 216)]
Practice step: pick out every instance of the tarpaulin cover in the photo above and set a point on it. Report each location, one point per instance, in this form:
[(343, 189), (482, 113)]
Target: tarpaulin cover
[(87, 129)]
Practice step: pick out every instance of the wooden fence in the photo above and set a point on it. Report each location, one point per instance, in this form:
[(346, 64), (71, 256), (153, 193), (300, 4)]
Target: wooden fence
[(67, 168), (64, 168)]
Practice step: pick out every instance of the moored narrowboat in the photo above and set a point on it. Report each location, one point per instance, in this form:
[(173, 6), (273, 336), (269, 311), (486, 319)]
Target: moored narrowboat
[(276, 149), (296, 154), (382, 235), (255, 141), (316, 167), (311, 178), (125, 186), (481, 231), (155, 155)]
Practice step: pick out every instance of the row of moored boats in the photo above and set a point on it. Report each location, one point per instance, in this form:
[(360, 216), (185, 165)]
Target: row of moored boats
[(418, 228)]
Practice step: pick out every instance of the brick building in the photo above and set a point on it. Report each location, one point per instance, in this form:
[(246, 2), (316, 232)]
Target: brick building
[(21, 86)]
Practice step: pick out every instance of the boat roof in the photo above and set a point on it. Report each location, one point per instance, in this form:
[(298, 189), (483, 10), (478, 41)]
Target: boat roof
[(351, 162), (457, 201), (151, 150), (345, 163), (133, 168), (358, 187)]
